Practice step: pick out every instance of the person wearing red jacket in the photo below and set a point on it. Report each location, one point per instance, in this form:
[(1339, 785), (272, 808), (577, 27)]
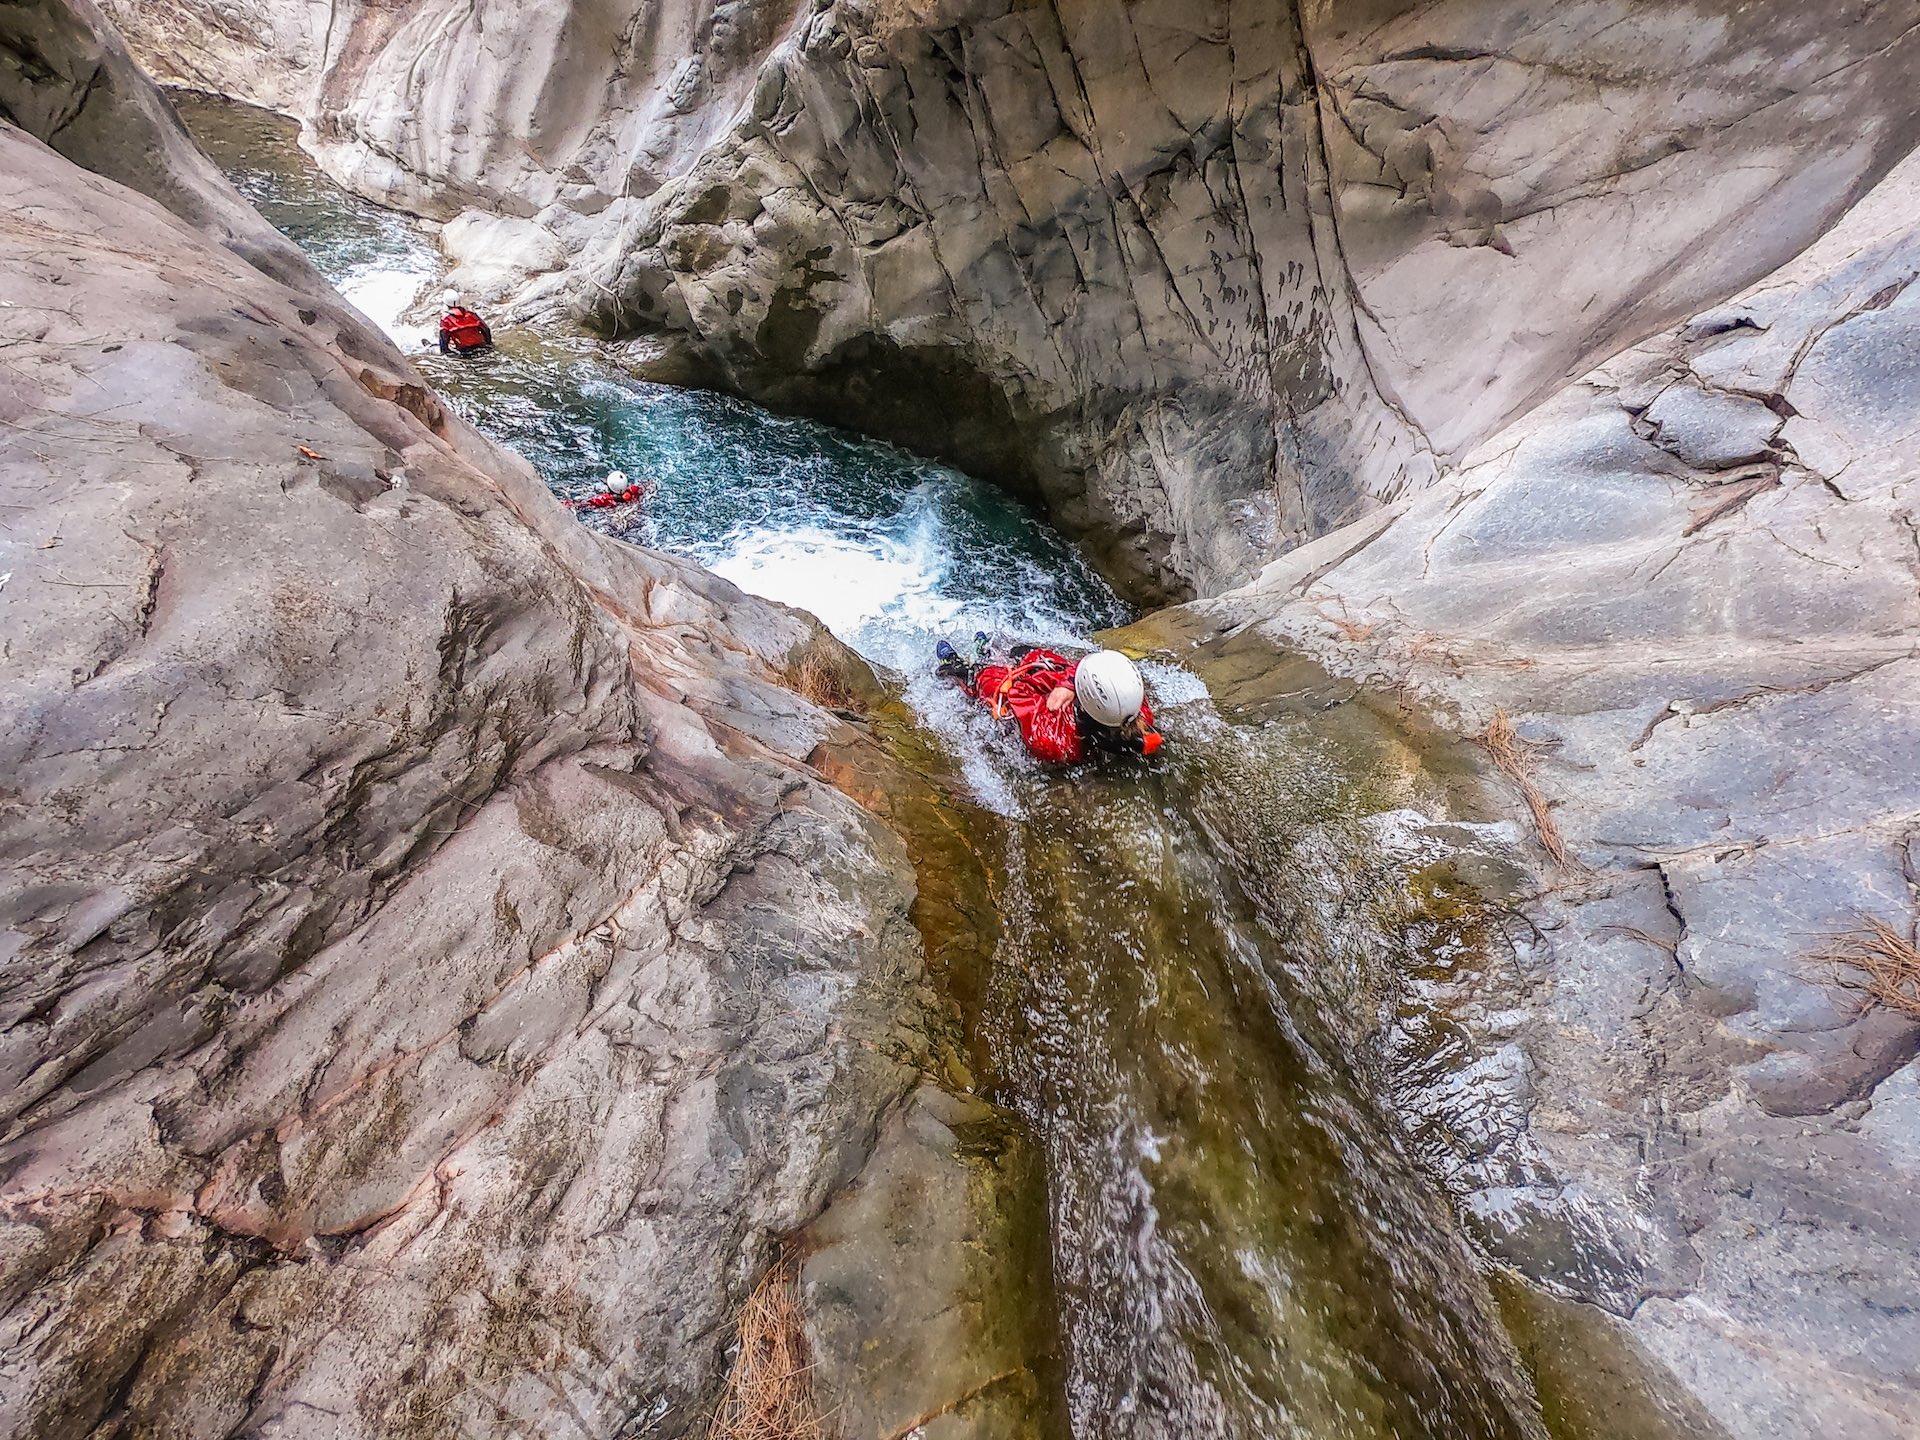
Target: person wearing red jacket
[(1065, 709), (616, 489), (461, 330)]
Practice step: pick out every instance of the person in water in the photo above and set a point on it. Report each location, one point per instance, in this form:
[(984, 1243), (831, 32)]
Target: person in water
[(461, 330), (1065, 709), (616, 489)]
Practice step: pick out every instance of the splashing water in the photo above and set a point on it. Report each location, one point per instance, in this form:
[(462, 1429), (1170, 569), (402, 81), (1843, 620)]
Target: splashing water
[(890, 551), (1242, 1247)]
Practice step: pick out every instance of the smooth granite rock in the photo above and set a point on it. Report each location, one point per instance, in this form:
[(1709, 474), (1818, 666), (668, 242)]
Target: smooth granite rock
[(927, 1283), (1481, 325), (432, 972), (66, 77)]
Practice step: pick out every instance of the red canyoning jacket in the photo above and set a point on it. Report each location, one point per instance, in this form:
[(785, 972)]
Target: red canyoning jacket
[(464, 331), (1020, 690), (604, 501)]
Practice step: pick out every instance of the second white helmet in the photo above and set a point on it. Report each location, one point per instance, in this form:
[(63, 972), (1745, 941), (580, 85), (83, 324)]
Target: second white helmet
[(1108, 687)]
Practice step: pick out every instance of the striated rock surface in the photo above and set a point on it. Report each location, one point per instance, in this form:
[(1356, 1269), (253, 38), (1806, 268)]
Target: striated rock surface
[(1331, 280), (66, 77), (1224, 277), (432, 971), (521, 122), (532, 111), (1693, 579)]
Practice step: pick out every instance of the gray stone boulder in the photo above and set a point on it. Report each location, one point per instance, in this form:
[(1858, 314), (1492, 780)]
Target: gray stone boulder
[(432, 971), (1669, 1108)]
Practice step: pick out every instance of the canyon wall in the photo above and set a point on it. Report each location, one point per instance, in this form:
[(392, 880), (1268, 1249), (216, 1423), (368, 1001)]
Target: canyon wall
[(1222, 278), (1509, 329), (1211, 280), (1691, 584), (432, 972)]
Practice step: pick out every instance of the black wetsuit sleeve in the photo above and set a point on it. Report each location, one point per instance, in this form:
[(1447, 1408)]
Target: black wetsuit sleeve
[(443, 342), (1106, 738)]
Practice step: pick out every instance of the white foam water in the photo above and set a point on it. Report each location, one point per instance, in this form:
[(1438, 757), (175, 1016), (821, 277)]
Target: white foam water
[(386, 293)]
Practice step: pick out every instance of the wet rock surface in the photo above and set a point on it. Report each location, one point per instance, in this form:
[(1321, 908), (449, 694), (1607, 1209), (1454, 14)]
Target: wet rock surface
[(1215, 285), (433, 972), (926, 1283), (1702, 625), (1591, 1377)]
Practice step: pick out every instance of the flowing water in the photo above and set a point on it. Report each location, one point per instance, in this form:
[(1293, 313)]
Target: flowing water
[(1242, 1247)]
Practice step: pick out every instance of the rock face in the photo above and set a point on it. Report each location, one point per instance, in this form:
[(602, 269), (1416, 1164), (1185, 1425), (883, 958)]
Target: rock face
[(1693, 579), (1233, 275), (1213, 279), (926, 1283), (432, 971), (525, 122), (546, 112), (66, 77)]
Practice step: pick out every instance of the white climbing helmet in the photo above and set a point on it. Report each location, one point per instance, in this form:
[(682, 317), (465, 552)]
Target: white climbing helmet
[(1109, 687), (616, 482), (449, 299)]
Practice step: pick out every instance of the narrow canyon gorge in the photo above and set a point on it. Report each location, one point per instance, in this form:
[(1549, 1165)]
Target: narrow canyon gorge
[(463, 966)]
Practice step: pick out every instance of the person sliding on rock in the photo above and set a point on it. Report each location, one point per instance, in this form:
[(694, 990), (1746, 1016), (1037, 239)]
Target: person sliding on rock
[(461, 331), (616, 489), (1065, 709)]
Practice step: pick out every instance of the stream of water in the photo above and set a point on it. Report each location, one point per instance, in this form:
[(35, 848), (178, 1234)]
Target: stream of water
[(1242, 1247)]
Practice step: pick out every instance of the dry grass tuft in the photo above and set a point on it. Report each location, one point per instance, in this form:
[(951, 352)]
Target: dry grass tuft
[(821, 677), (1878, 963), (769, 1395), (1509, 753)]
